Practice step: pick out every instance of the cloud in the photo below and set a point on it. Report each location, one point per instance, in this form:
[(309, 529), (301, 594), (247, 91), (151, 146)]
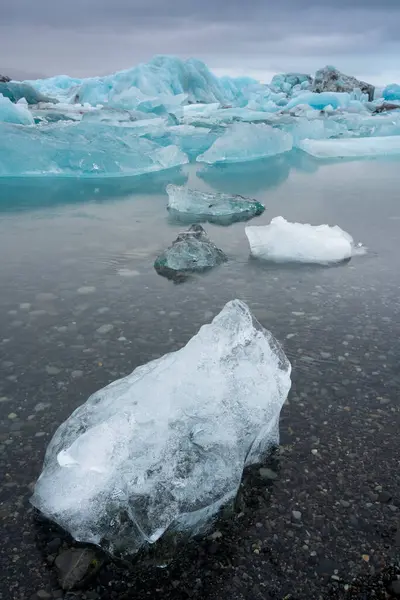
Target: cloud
[(83, 37)]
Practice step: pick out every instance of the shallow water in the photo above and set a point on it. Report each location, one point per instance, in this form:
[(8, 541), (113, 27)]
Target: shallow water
[(81, 304)]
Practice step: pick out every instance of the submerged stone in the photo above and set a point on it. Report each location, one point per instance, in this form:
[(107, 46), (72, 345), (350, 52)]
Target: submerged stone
[(160, 451), (213, 207), (191, 252)]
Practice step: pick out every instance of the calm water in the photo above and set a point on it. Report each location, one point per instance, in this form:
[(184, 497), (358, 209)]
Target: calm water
[(76, 258)]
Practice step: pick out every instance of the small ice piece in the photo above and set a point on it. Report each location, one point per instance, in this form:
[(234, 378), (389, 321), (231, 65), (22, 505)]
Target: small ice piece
[(165, 447), (391, 92), (247, 141), (191, 251), (281, 241), (352, 147), (206, 206)]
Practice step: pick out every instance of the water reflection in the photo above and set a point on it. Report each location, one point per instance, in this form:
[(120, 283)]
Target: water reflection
[(24, 194)]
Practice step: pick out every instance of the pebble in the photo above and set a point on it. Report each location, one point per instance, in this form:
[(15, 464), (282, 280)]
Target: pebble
[(41, 406), (45, 297), (103, 329), (267, 474), (296, 515), (128, 273), (396, 587), (52, 370), (325, 354), (384, 497), (12, 416), (43, 595), (86, 289), (314, 451), (76, 374), (345, 503), (24, 306)]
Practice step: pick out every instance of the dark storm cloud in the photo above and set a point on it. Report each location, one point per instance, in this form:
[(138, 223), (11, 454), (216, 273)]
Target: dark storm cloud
[(96, 36)]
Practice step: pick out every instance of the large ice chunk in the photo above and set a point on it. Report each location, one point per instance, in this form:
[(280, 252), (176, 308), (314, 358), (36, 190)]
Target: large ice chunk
[(83, 150), (191, 252), (392, 92), (352, 147), (213, 207), (165, 447), (14, 91), (14, 113), (281, 241), (245, 142)]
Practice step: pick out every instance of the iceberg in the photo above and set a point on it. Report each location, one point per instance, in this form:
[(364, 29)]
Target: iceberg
[(243, 142), (15, 113), (286, 82), (14, 91), (392, 92), (281, 241), (212, 207), (81, 150), (162, 449), (191, 252), (352, 147), (322, 100)]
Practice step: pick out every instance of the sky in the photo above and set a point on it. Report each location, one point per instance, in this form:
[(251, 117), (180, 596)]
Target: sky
[(257, 38)]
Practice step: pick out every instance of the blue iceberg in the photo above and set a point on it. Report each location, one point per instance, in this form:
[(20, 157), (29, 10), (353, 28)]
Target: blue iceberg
[(392, 92), (14, 91), (79, 150), (14, 113), (244, 142)]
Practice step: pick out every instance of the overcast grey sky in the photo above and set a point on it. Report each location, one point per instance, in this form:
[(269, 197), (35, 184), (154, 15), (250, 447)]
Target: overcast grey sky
[(259, 38)]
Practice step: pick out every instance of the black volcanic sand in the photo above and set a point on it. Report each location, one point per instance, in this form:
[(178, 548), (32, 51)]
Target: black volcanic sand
[(81, 305)]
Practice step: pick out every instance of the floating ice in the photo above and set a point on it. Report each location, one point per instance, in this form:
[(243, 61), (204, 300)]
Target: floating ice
[(212, 207), (281, 241), (165, 447), (352, 147), (14, 113), (245, 142), (15, 91), (191, 251), (84, 150), (392, 92)]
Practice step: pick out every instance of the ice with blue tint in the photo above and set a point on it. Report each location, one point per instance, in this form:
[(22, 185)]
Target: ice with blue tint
[(353, 147), (163, 449), (243, 142), (84, 150), (14, 91), (14, 113), (392, 92), (180, 109), (186, 204)]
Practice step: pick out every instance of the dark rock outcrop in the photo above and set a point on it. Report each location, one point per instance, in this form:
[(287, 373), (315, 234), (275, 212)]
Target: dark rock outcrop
[(4, 78), (330, 79)]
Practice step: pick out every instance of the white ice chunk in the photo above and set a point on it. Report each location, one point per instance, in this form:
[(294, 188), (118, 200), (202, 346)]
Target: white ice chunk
[(352, 147), (166, 446), (281, 241)]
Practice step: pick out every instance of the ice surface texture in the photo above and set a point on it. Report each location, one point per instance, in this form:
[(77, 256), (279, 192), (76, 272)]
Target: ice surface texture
[(165, 447), (84, 150), (247, 141), (352, 147), (191, 251), (281, 241), (213, 207), (14, 113)]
